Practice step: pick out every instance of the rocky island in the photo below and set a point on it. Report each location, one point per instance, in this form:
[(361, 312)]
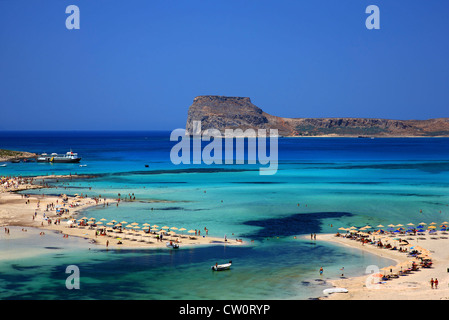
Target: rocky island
[(220, 112)]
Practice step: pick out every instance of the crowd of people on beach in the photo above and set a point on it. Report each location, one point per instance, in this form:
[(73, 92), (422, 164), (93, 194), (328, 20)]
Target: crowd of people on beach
[(10, 183), (419, 255)]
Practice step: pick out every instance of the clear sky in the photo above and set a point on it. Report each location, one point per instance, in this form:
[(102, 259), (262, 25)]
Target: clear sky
[(138, 64)]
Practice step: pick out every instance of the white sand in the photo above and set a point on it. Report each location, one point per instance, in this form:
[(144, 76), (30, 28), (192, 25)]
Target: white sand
[(14, 211), (414, 286)]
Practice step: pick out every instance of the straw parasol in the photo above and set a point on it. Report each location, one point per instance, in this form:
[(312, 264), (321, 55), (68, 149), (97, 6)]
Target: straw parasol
[(390, 269)]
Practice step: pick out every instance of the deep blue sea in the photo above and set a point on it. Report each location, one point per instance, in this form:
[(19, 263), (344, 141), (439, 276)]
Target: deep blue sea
[(321, 184)]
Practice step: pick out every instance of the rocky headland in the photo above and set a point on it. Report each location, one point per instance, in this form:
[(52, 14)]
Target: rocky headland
[(220, 112)]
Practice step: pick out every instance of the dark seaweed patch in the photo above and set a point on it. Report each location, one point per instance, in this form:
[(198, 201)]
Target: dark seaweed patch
[(300, 223)]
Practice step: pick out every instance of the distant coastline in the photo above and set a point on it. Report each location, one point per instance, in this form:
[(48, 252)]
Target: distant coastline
[(10, 155)]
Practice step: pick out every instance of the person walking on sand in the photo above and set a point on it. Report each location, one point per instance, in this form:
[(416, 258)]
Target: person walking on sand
[(431, 282), (436, 283), (321, 271)]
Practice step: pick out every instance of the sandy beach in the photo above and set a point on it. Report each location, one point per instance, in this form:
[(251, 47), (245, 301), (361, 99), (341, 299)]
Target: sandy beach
[(414, 285), (41, 211)]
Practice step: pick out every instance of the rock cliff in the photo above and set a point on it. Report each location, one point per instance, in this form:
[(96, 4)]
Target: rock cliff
[(219, 112)]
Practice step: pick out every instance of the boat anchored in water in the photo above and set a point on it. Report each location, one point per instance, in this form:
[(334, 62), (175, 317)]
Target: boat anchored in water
[(69, 157), (221, 267)]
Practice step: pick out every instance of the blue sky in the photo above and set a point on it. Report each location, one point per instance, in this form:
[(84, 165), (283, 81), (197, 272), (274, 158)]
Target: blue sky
[(138, 64)]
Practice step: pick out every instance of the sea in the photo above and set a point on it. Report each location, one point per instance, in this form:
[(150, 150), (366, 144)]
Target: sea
[(321, 184)]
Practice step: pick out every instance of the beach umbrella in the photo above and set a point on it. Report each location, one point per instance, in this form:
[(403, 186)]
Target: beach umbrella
[(134, 223), (433, 223), (390, 269), (102, 219), (445, 222), (174, 228), (410, 224), (380, 226), (155, 226), (191, 231), (391, 225), (123, 222), (399, 225), (432, 227), (344, 229), (423, 224)]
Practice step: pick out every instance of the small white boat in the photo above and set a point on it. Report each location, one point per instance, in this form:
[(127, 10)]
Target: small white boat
[(221, 267), (3, 165), (335, 290), (172, 245)]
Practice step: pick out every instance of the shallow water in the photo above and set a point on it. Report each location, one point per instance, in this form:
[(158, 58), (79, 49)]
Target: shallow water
[(321, 184)]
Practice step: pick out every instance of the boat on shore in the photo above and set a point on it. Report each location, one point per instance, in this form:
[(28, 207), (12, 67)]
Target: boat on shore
[(221, 267), (69, 157)]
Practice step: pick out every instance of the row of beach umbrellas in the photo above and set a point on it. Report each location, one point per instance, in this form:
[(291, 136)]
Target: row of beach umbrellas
[(128, 226), (420, 226)]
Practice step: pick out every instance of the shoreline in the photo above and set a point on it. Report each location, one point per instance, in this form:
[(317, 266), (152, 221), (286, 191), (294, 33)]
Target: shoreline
[(40, 211), (414, 285)]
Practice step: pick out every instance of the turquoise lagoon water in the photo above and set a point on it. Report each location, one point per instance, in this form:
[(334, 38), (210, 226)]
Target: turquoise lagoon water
[(321, 184)]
